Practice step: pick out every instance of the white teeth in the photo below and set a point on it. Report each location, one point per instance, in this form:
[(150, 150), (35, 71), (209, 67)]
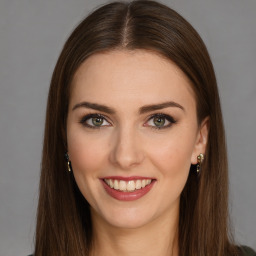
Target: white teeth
[(116, 184), (131, 185), (138, 184), (122, 185), (127, 186), (111, 183)]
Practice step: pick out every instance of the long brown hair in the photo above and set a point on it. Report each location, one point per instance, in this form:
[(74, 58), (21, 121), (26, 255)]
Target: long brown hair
[(63, 219)]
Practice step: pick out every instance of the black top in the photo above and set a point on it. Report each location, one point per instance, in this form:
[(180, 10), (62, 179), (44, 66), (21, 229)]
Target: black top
[(247, 251)]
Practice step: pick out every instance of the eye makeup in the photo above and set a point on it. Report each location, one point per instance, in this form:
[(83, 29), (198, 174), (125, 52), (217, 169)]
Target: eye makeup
[(158, 121), (155, 121), (94, 121)]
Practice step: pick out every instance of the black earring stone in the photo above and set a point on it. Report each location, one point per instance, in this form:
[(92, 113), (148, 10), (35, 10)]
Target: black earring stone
[(66, 156)]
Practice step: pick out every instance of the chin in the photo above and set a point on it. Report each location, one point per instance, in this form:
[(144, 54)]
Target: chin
[(128, 222), (129, 218)]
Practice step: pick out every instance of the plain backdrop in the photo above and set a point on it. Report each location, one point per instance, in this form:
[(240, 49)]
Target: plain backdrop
[(32, 33)]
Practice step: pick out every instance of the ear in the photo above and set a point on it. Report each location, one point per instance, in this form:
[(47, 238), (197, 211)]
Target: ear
[(201, 140)]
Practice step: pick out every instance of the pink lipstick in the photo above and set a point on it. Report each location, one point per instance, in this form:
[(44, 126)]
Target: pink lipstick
[(127, 188)]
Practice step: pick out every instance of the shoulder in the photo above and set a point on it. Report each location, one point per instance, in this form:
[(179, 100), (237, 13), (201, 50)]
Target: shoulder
[(247, 251)]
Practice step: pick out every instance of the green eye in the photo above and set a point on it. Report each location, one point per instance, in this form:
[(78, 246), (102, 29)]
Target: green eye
[(97, 121), (94, 121), (159, 121)]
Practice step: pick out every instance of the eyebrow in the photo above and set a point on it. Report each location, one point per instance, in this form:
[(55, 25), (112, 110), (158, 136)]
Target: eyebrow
[(95, 106), (149, 108), (142, 110)]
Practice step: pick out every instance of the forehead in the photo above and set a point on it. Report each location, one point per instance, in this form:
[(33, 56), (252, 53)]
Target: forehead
[(123, 76)]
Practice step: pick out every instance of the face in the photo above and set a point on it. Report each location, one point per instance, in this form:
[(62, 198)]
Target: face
[(132, 136)]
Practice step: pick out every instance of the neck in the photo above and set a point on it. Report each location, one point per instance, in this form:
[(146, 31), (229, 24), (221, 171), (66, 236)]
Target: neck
[(160, 237)]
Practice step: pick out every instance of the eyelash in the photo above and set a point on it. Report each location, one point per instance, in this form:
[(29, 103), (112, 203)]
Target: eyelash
[(89, 116), (164, 116), (158, 115)]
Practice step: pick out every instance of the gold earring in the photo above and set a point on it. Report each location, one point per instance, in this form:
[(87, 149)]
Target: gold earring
[(200, 159), (68, 161)]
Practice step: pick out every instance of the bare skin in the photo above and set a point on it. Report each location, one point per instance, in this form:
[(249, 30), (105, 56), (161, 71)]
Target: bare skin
[(158, 241), (133, 113)]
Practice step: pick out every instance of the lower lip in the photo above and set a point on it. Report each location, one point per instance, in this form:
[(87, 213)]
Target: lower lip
[(128, 196)]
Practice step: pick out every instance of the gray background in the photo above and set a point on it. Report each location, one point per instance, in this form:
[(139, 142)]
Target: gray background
[(31, 37)]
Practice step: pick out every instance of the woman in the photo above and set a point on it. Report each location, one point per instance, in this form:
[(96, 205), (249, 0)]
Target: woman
[(134, 109)]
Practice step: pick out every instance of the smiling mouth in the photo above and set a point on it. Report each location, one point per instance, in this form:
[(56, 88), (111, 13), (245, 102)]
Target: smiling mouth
[(127, 186)]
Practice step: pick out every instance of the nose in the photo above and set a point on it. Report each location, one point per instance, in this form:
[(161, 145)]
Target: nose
[(127, 151)]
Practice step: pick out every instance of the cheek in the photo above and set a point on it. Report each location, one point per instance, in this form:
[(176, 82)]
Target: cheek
[(174, 152), (172, 158), (172, 163), (87, 156), (86, 151)]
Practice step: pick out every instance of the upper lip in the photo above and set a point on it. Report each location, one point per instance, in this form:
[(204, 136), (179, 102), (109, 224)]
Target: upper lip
[(128, 178)]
